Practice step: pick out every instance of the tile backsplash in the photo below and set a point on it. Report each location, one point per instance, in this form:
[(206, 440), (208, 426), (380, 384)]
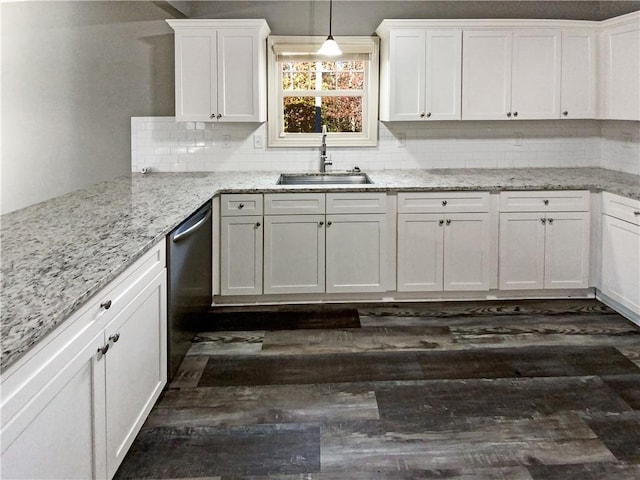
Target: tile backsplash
[(162, 144)]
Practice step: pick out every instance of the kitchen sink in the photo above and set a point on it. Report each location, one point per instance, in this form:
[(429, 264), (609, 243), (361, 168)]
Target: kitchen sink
[(350, 178)]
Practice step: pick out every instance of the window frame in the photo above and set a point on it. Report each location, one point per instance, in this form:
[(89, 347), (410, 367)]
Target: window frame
[(275, 124)]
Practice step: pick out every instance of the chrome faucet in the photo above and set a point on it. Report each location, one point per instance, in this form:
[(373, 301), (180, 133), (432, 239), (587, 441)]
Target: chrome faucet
[(324, 161)]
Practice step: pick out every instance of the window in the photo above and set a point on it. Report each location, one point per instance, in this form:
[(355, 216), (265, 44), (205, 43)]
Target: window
[(307, 91)]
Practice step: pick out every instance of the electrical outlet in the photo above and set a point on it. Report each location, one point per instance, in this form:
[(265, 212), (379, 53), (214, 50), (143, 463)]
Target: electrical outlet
[(258, 142)]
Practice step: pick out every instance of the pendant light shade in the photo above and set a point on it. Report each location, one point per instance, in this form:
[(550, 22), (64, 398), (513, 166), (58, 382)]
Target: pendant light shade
[(330, 47)]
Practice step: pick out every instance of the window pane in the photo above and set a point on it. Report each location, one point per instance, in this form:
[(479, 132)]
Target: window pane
[(299, 114), (350, 81), (339, 114)]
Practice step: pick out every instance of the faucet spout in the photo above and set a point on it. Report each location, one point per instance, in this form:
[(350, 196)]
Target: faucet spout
[(324, 162)]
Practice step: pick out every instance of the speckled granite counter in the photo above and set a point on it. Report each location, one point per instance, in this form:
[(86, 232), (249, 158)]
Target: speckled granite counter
[(57, 254)]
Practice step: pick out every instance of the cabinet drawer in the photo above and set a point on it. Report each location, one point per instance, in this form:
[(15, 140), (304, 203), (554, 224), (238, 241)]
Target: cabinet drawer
[(437, 202), (354, 202), (545, 201), (233, 205), (294, 203), (624, 208)]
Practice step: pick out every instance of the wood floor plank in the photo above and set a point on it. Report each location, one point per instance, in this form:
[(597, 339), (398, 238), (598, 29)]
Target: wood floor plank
[(627, 386), (499, 397), (190, 371), (619, 432), (537, 361), (216, 406), (166, 452), (586, 471), (356, 340), (632, 352), (310, 369), (227, 343)]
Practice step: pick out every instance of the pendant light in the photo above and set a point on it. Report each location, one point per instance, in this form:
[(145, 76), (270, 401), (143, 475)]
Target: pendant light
[(330, 47)]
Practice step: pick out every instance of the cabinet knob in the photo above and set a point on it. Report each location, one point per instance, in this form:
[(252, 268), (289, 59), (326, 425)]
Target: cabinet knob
[(257, 224), (115, 337), (509, 114), (636, 212), (440, 222), (320, 223), (546, 202), (103, 350), (241, 206), (444, 203), (329, 224), (213, 115), (551, 220), (106, 305), (515, 114), (429, 115), (448, 221), (219, 116), (543, 220), (422, 115), (565, 113)]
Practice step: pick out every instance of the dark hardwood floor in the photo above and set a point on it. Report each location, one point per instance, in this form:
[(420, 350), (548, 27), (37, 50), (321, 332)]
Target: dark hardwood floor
[(531, 390)]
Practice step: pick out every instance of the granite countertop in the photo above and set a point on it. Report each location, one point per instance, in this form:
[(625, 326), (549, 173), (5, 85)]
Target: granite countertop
[(59, 253)]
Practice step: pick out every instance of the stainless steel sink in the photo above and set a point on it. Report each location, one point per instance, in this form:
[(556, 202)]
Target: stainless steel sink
[(324, 179)]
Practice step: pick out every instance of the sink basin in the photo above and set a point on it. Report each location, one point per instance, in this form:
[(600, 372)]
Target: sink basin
[(324, 179)]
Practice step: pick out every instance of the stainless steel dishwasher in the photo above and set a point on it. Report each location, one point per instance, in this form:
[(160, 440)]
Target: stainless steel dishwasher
[(189, 282)]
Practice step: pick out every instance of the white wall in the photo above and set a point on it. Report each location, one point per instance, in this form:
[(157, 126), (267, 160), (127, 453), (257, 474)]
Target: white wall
[(73, 74)]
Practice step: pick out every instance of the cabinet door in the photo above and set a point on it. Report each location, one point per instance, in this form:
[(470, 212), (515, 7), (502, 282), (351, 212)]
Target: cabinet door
[(443, 74), (356, 253), (238, 76), (622, 72), (536, 74), (294, 249), (406, 74), (521, 257), (241, 255), (60, 431), (621, 262), (486, 75), (578, 84), (466, 251), (136, 367), (567, 250), (420, 252), (196, 74)]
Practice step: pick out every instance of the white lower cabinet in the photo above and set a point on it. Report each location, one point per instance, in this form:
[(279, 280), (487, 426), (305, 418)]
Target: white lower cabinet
[(443, 252), (72, 408), (294, 249), (356, 253), (241, 255), (444, 241), (620, 279), (547, 248)]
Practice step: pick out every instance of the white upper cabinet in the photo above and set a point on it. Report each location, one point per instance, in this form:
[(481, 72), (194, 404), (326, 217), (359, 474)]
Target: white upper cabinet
[(420, 73), (511, 74), (578, 84), (220, 69), (621, 68)]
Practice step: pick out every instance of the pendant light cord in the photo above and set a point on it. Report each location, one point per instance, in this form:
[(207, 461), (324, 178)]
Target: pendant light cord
[(330, 16)]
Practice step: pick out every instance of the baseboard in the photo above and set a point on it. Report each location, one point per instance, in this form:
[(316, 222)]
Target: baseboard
[(618, 307)]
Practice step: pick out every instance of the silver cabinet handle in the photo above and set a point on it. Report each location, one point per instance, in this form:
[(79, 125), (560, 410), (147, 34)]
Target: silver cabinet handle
[(440, 222), (509, 114), (106, 305), (551, 220), (546, 202), (320, 223), (104, 349), (422, 115), (429, 115), (329, 224), (565, 113), (213, 115), (444, 203), (636, 212), (448, 221), (543, 220), (241, 206), (115, 337), (219, 116), (515, 114), (257, 224)]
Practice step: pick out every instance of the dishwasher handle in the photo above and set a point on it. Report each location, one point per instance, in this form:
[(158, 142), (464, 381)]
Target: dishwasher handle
[(181, 234)]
